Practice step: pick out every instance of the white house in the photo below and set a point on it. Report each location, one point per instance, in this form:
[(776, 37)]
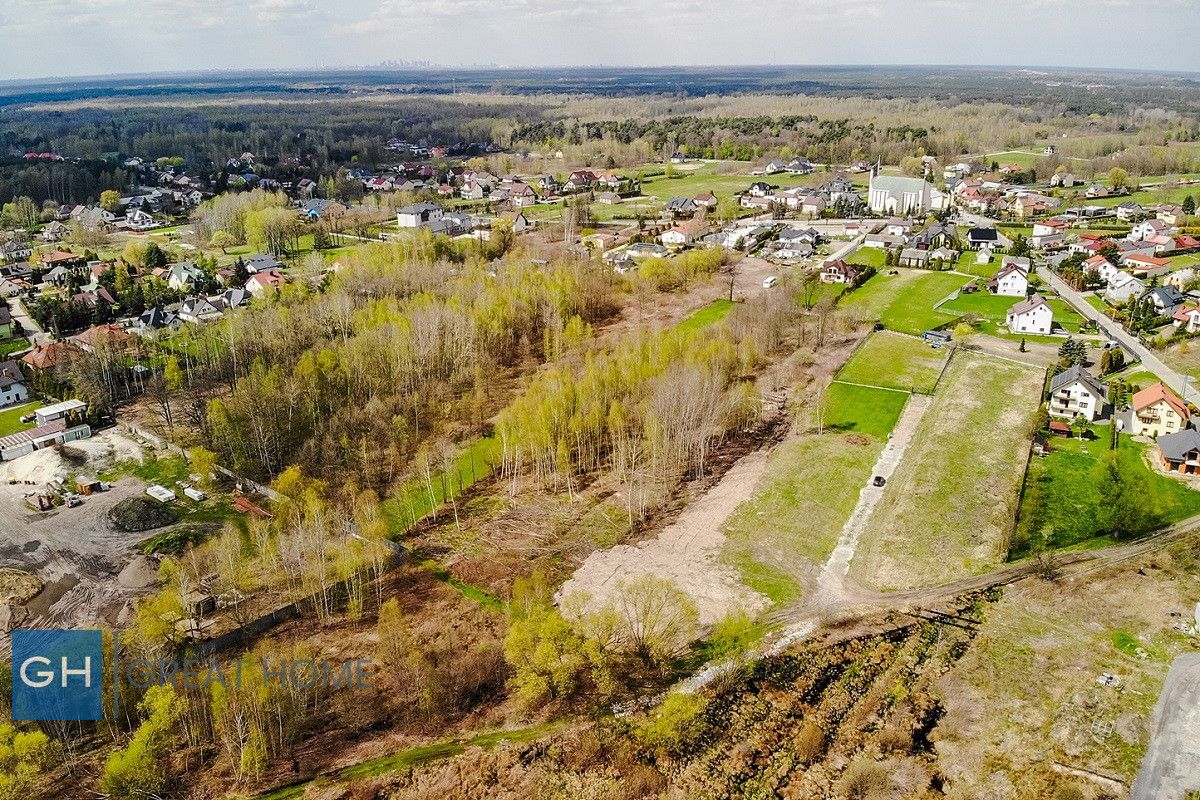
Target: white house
[(1031, 316), (1011, 281), (891, 194), (12, 384), (1122, 286), (180, 277), (418, 214), (1075, 393)]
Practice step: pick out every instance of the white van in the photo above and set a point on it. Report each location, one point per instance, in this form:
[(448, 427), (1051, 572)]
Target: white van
[(770, 281)]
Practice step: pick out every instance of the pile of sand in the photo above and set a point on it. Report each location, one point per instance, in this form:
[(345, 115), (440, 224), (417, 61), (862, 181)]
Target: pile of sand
[(139, 573), (17, 586), (39, 467)]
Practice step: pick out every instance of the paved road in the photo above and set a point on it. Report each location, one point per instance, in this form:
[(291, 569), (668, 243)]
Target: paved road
[(1171, 767), (33, 331), (1152, 362)]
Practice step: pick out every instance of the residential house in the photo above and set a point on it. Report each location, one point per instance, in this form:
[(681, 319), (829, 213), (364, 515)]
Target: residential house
[(882, 241), (262, 282), (799, 166), (771, 168), (155, 319), (608, 198), (684, 233), (522, 195), (517, 219), (890, 194), (181, 277), (1158, 411), (1063, 180), (1180, 451), (1122, 287), (579, 181), (49, 355), (53, 231), (838, 272), (1142, 264), (1186, 317), (1032, 315), (681, 207), (983, 237), (97, 335), (13, 389), (198, 309), (898, 227), (1076, 393), (1181, 279), (1172, 215), (262, 261), (1164, 298), (914, 257), (418, 214), (475, 190), (707, 200), (759, 189), (1011, 281), (1148, 228), (1129, 211), (14, 250)]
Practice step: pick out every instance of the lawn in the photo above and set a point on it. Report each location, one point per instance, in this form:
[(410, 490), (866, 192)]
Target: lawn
[(966, 263), (895, 361), (10, 418), (792, 523), (905, 302), (710, 314), (1022, 158), (868, 257), (1063, 503), (862, 409), (994, 308), (948, 511)]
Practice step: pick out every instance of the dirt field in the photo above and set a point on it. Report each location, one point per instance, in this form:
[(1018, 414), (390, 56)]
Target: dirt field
[(74, 551), (686, 552), (949, 509), (1024, 708)]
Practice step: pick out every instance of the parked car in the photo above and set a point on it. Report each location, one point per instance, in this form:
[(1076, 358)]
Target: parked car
[(878, 480), (770, 281)]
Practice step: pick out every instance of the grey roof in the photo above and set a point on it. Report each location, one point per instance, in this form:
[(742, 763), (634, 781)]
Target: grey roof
[(896, 184), (10, 373), (1176, 446), (1169, 296), (1028, 304), (983, 235), (1078, 373)]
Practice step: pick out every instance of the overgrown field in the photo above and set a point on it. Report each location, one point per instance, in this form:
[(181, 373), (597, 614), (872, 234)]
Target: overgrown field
[(949, 509)]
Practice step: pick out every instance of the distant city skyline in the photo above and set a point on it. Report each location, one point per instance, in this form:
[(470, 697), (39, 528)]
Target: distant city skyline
[(61, 38)]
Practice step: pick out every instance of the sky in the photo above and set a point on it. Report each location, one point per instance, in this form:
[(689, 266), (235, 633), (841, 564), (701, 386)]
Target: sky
[(60, 38)]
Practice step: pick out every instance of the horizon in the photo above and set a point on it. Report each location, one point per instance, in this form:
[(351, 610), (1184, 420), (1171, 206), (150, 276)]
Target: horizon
[(93, 36)]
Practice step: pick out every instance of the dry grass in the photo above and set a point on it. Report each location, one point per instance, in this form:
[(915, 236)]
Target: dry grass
[(949, 509)]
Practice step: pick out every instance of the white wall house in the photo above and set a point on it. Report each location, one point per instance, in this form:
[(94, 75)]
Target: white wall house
[(1011, 281), (1075, 393), (1031, 316)]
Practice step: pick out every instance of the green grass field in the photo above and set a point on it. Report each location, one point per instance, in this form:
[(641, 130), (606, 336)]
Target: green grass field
[(869, 257), (1063, 506), (798, 510), (966, 263), (862, 409), (947, 511), (10, 418), (710, 314), (895, 361), (1022, 158), (994, 308), (905, 302)]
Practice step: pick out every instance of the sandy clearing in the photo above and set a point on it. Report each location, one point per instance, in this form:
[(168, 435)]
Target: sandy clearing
[(687, 552)]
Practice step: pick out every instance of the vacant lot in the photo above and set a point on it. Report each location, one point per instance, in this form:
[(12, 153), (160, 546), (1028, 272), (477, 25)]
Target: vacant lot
[(710, 314), (1026, 695), (948, 510), (862, 409), (1062, 503), (10, 418), (869, 257), (777, 538), (895, 361), (905, 302)]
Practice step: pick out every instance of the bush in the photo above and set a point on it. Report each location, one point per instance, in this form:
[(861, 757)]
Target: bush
[(865, 779)]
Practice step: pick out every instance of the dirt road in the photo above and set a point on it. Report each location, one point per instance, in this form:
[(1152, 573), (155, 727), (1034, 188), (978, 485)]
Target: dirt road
[(832, 590), (1171, 767)]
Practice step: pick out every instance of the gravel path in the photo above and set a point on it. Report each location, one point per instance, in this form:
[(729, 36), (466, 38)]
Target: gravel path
[(831, 584), (1171, 767), (687, 552)]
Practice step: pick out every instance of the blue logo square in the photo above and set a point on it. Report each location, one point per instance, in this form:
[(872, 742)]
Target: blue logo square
[(57, 675)]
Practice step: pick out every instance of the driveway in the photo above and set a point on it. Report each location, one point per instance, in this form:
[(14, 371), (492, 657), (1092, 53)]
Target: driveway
[(1171, 767)]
